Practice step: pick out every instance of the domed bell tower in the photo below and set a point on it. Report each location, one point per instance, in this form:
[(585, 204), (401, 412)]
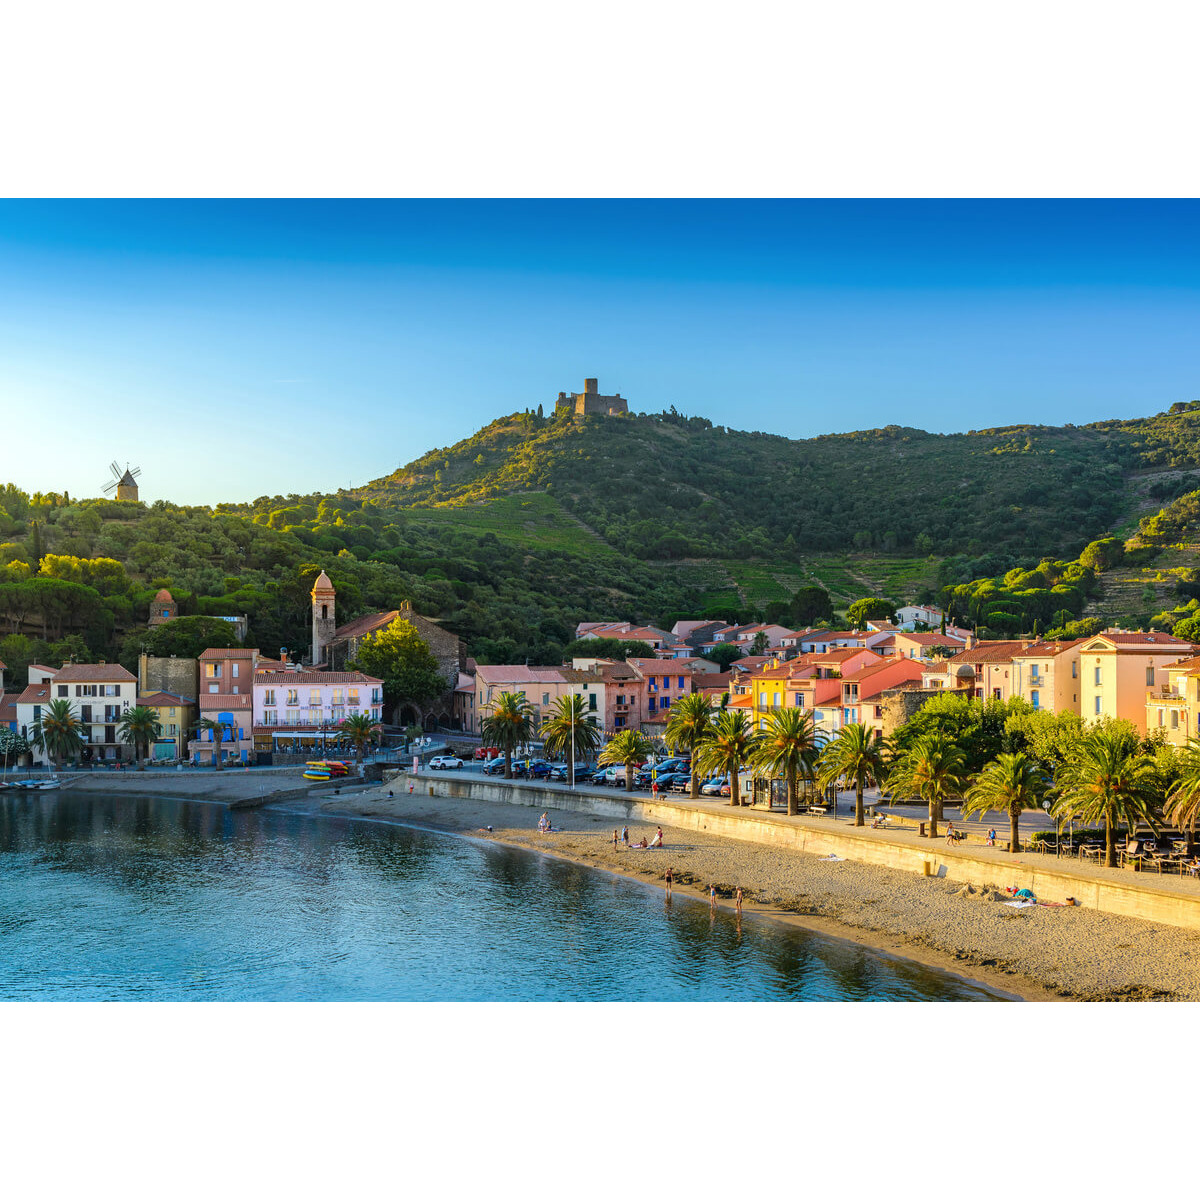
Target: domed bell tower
[(323, 620)]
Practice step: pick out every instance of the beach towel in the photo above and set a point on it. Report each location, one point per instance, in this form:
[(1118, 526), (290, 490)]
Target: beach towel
[(831, 858), (1020, 904)]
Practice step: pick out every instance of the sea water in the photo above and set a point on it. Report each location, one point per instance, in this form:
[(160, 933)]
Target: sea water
[(137, 898)]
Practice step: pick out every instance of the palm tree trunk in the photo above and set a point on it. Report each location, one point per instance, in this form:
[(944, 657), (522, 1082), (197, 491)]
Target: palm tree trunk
[(1110, 842), (507, 763), (629, 777), (933, 816), (859, 815), (695, 776), (793, 799), (1014, 836), (734, 790)]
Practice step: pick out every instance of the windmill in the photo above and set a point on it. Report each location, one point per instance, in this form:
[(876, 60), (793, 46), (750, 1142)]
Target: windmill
[(124, 484)]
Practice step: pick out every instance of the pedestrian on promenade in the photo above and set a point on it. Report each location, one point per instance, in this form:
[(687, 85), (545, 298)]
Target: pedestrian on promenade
[(670, 880), (411, 785), (739, 902)]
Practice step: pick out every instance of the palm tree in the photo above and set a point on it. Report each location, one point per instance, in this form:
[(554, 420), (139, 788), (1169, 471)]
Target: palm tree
[(139, 727), (1013, 782), (361, 730), (569, 730), (217, 731), (933, 770), (58, 731), (787, 747), (628, 748), (1183, 800), (853, 754), (728, 749), (689, 725), (508, 725), (1107, 778)]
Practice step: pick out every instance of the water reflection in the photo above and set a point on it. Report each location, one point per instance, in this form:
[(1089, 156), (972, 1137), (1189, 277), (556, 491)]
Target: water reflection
[(124, 897)]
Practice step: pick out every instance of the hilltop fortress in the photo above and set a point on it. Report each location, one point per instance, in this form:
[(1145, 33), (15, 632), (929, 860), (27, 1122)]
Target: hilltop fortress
[(589, 402)]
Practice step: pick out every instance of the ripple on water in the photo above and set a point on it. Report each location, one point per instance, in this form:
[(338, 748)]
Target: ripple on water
[(115, 898)]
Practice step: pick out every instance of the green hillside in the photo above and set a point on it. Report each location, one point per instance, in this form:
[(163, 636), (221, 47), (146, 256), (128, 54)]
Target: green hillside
[(514, 535)]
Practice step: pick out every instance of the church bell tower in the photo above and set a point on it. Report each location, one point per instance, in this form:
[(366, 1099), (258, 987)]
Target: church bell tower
[(323, 621)]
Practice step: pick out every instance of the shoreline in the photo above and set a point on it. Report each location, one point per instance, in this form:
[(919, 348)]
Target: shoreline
[(1003, 983)]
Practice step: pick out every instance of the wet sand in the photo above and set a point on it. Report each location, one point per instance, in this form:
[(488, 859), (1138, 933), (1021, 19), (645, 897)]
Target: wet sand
[(1041, 953)]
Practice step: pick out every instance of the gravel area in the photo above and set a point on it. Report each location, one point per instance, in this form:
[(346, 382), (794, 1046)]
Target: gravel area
[(1040, 953)]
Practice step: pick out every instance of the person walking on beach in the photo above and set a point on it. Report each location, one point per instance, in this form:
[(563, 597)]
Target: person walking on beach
[(712, 896), (614, 839), (411, 785), (739, 902), (670, 880), (625, 834)]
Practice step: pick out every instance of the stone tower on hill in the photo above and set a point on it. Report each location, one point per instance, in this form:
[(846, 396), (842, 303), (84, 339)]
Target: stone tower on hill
[(323, 621), (589, 402)]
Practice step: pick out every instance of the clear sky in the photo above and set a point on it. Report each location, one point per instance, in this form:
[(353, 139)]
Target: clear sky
[(236, 349)]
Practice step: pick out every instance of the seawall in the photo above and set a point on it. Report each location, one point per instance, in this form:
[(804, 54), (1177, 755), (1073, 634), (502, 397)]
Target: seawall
[(1120, 895)]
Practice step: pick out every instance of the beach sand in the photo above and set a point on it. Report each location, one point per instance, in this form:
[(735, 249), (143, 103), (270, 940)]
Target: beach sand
[(1042, 953)]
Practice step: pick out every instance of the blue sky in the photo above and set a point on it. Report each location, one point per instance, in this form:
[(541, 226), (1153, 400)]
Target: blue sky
[(332, 341)]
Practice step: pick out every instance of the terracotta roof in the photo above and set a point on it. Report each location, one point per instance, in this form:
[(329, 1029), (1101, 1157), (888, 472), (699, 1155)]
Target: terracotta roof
[(8, 709), (361, 626), (500, 673), (746, 701), (39, 667), (35, 693), (466, 683), (217, 701), (997, 651), (323, 583), (1154, 637), (215, 652), (930, 639), (158, 699), (311, 678), (163, 594), (94, 673), (1044, 649), (715, 681)]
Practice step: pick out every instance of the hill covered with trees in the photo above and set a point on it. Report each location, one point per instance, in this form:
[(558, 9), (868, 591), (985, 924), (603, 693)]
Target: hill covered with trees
[(534, 523)]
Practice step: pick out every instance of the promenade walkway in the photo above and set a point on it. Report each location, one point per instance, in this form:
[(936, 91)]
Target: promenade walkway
[(1168, 898)]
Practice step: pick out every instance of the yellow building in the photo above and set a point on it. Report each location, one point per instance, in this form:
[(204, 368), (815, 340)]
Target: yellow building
[(177, 715), (1116, 670), (1046, 675), (1174, 705)]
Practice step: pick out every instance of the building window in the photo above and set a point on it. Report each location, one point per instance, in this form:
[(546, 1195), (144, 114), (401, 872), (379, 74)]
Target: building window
[(545, 699), (62, 689), (214, 688), (375, 696), (270, 717), (618, 722), (1096, 681), (592, 701), (681, 678), (1074, 670), (1149, 676), (1035, 699), (212, 670), (314, 697), (293, 696), (650, 704), (1097, 706), (235, 670), (666, 703), (269, 697), (1174, 718), (352, 699)]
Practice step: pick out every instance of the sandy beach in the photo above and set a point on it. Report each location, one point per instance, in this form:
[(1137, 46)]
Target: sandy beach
[(1041, 953)]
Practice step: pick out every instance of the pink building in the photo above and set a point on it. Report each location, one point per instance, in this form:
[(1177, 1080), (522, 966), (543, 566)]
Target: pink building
[(301, 710)]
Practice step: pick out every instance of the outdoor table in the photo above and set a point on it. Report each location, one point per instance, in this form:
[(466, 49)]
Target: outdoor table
[(1091, 851)]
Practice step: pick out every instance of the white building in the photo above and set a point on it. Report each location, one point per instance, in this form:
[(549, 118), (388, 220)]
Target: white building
[(908, 616), (99, 695)]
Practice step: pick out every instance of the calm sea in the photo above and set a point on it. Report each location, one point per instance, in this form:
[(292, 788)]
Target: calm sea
[(118, 898)]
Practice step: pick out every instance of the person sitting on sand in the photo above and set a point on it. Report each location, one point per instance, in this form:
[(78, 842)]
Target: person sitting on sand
[(485, 829), (642, 845)]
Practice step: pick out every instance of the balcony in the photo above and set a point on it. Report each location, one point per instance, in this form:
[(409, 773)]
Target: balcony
[(1164, 695)]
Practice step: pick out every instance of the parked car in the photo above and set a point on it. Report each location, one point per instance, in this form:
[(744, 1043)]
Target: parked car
[(445, 762), (539, 768), (613, 776), (713, 786), (495, 767), (681, 783), (486, 752), (562, 771)]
